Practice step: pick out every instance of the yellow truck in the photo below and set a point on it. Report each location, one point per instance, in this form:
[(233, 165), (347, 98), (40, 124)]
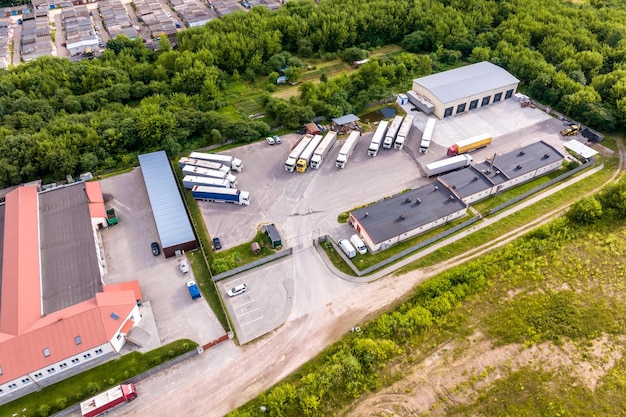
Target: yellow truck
[(467, 145)]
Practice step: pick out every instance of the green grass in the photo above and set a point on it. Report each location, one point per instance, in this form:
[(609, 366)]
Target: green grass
[(337, 260), (240, 255), (197, 260), (79, 387)]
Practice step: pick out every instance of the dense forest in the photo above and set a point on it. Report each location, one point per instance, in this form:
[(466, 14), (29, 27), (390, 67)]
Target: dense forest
[(63, 118)]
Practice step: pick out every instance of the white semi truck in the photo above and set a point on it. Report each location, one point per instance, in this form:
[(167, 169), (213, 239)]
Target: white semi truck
[(394, 127), (202, 163), (427, 135), (307, 153), (403, 133), (347, 148), (323, 149), (449, 164), (233, 163), (377, 139), (210, 173), (221, 195), (189, 181), (290, 163)]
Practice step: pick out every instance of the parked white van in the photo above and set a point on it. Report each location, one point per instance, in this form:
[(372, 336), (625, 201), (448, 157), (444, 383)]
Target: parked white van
[(358, 244), (347, 248)]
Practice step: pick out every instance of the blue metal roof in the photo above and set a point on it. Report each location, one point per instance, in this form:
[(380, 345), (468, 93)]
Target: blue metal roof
[(348, 118), (171, 218)]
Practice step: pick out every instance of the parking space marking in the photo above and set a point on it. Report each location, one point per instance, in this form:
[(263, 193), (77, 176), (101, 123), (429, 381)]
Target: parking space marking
[(243, 304), (250, 322), (247, 312)]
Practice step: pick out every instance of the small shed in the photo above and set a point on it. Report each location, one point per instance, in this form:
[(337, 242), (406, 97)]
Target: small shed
[(312, 129), (345, 123), (255, 247), (273, 235)]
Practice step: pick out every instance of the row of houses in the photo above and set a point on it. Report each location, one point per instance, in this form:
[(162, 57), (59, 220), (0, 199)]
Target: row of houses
[(116, 20)]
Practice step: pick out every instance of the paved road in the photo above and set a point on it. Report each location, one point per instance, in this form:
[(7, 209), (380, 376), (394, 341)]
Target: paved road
[(226, 377)]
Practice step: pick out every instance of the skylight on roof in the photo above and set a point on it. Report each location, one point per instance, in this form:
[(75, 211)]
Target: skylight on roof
[(115, 316)]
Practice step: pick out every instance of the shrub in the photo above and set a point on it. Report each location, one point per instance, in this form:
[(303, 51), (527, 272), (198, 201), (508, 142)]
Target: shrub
[(44, 410)]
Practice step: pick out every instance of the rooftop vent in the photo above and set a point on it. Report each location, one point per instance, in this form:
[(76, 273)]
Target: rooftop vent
[(546, 156), (366, 214), (453, 187), (450, 197), (475, 178), (402, 217), (436, 188), (521, 153), (518, 167), (497, 172), (408, 199), (418, 200)]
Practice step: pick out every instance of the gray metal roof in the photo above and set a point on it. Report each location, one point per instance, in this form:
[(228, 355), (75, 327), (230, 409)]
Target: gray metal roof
[(383, 218), (69, 261), (466, 182), (348, 118), (169, 211), (529, 158), (466, 81)]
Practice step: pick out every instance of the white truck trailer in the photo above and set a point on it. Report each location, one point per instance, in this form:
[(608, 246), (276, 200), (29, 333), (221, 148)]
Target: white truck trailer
[(377, 139), (307, 154), (210, 173), (427, 135), (189, 181), (403, 133), (221, 195), (323, 149), (347, 148), (290, 163), (233, 163), (394, 127), (202, 163), (449, 164)]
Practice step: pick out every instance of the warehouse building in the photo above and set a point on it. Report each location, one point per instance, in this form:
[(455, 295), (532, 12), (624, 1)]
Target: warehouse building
[(463, 89), (406, 215), (170, 215), (56, 316)]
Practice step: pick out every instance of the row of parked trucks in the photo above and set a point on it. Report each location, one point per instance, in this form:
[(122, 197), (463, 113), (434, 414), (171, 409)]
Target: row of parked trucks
[(209, 178), (390, 135)]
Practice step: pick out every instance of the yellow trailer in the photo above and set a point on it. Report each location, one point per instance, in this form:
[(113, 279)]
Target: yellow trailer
[(467, 145)]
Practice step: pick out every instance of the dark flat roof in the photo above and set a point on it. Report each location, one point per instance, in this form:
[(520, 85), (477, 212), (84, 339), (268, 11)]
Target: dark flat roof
[(69, 261), (466, 182), (383, 218), (524, 160), (171, 218)]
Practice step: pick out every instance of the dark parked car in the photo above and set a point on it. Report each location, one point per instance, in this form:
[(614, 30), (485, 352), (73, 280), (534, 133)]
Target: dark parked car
[(156, 251), (217, 245)]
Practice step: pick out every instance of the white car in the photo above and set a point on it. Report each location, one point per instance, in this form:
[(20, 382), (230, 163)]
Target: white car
[(277, 139), (269, 140), (184, 267), (237, 289)]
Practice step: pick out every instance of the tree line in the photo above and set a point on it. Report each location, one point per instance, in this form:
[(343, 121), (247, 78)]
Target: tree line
[(62, 118)]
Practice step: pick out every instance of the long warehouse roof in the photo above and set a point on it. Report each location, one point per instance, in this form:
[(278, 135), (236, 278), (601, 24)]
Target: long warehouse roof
[(167, 205), (471, 80)]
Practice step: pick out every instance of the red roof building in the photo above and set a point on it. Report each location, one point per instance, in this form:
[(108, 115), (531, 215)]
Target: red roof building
[(54, 317)]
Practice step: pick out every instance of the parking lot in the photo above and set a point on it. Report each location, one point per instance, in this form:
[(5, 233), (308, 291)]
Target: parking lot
[(129, 257), (305, 206)]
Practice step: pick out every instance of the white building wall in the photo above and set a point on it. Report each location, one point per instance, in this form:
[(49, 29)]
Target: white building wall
[(56, 371), (118, 340)]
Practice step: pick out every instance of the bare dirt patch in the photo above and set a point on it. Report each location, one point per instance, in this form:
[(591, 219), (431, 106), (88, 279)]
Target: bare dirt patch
[(456, 372)]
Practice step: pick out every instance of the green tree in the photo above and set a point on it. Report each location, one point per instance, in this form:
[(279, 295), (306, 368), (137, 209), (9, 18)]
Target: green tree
[(587, 210)]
